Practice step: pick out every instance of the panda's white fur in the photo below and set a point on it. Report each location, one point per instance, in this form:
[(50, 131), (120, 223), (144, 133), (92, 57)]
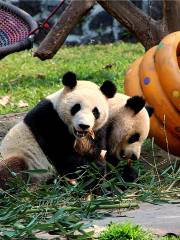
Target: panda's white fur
[(21, 147)]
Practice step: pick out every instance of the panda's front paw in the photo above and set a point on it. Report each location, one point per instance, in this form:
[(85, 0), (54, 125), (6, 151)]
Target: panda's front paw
[(129, 174), (112, 160)]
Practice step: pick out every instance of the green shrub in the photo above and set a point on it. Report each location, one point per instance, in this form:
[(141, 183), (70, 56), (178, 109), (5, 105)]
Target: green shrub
[(126, 231)]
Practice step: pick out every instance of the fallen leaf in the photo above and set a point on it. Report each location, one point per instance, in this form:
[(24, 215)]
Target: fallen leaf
[(23, 104), (4, 100), (41, 76), (108, 66)]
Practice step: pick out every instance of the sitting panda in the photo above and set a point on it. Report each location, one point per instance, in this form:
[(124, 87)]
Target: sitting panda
[(46, 135)]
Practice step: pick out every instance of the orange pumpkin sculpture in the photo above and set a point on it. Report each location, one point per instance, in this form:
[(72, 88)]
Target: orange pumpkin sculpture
[(156, 77)]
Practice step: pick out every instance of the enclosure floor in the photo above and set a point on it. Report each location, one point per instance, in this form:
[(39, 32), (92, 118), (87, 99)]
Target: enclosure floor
[(160, 219)]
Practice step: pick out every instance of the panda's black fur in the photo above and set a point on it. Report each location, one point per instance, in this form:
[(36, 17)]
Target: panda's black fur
[(46, 126), (69, 80)]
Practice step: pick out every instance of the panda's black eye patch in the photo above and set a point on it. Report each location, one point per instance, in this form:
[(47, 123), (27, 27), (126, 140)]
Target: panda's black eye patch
[(76, 108), (134, 138), (96, 112)]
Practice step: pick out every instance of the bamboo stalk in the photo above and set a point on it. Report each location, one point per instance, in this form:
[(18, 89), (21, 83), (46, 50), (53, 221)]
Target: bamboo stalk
[(72, 208)]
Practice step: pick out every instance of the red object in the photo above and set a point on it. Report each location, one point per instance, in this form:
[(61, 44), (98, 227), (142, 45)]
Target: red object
[(46, 25)]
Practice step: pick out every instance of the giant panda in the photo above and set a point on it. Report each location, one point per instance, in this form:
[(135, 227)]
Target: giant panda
[(125, 131), (127, 126), (45, 137)]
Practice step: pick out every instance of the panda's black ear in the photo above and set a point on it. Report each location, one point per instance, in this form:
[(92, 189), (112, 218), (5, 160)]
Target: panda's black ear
[(69, 80), (108, 88), (150, 110), (136, 103)]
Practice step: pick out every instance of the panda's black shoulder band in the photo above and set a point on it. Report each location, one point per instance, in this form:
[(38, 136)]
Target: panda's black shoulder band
[(69, 80), (50, 132), (108, 88)]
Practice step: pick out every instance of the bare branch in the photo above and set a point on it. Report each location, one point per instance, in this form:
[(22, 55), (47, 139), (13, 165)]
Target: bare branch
[(60, 31)]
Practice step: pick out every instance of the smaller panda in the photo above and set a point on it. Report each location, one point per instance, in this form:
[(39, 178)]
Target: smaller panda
[(125, 131), (45, 138), (127, 127)]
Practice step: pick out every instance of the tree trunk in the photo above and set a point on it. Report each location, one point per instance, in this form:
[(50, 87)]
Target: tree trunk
[(171, 15), (58, 34)]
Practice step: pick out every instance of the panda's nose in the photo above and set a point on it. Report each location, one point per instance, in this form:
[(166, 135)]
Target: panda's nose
[(84, 126)]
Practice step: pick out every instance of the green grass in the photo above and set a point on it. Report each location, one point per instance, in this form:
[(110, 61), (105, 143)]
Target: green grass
[(23, 77), (125, 232), (128, 231), (58, 207)]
